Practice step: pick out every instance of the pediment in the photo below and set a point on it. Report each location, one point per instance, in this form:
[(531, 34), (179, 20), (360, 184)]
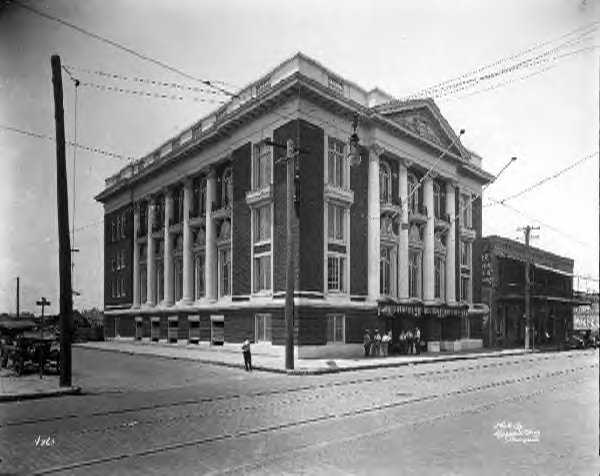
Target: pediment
[(428, 123)]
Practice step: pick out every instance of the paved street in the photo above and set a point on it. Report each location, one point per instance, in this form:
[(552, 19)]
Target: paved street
[(531, 414)]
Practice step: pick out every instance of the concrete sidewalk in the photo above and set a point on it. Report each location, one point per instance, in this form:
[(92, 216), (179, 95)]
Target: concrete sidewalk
[(271, 359), (30, 386)]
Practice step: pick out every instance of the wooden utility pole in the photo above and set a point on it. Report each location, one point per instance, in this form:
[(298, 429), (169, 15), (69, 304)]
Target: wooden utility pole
[(18, 297), (292, 189), (289, 272), (64, 246), (527, 231)]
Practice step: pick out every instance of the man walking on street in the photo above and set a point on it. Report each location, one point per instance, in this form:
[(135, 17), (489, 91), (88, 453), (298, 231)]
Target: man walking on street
[(247, 355)]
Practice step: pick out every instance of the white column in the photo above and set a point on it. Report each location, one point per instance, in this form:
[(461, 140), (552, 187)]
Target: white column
[(151, 268), (428, 251), (403, 247), (168, 258), (188, 265), (210, 270), (451, 244), (136, 256), (373, 225)]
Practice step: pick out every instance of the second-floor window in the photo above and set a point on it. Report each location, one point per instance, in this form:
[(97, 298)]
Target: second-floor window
[(385, 183), (413, 193), (415, 276), (261, 170), (336, 163), (336, 222), (465, 210), (439, 276), (262, 223), (227, 189), (439, 200)]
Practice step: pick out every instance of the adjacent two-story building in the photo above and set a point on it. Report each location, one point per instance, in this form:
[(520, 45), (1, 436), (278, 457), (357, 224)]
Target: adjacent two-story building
[(502, 280), (195, 232)]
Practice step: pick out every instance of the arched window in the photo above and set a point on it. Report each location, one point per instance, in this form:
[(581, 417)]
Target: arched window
[(413, 201), (438, 200), (385, 183), (227, 189)]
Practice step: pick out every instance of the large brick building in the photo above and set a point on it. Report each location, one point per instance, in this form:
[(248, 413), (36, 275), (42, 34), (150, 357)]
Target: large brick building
[(195, 232)]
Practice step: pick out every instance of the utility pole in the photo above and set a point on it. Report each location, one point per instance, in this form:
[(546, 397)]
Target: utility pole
[(17, 297), (292, 196), (43, 302), (64, 246), (527, 230)]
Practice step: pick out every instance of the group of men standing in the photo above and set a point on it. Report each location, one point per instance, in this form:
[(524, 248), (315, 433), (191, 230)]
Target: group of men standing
[(377, 345)]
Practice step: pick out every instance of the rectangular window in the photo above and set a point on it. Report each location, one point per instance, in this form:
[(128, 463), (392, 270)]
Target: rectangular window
[(225, 272), (465, 254), (414, 273), (143, 284), (160, 281), (178, 279), (262, 326), (385, 270), (261, 170), (465, 211), (440, 273), (465, 288), (199, 275), (336, 163), (336, 222), (336, 327), (262, 224), (335, 273), (262, 273)]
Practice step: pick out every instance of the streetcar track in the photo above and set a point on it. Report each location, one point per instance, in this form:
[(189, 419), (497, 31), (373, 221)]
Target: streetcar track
[(325, 417), (221, 398), (391, 427)]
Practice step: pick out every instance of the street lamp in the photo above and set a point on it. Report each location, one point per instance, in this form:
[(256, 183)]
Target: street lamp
[(353, 153)]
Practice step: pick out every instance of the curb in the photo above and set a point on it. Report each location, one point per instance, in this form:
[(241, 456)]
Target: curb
[(11, 397), (320, 371)]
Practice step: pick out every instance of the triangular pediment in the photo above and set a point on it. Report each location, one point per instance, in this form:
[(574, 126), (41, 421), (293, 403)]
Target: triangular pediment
[(427, 122)]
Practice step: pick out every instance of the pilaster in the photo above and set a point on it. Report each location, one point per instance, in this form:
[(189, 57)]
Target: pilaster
[(451, 244), (168, 257), (136, 257), (428, 242), (188, 265), (210, 276), (373, 225), (150, 259)]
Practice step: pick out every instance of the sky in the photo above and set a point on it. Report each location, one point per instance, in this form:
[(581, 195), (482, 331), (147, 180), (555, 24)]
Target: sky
[(548, 119)]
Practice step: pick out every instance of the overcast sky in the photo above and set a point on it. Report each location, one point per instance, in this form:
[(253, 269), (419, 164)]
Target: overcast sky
[(547, 118)]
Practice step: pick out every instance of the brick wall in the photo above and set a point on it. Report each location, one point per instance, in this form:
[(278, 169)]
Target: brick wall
[(477, 250), (241, 231), (111, 249), (359, 176), (311, 208), (281, 135)]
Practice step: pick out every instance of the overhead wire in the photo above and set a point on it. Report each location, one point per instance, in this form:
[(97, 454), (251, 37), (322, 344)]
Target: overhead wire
[(148, 94), (87, 148), (584, 31), (142, 80), (545, 179), (121, 47)]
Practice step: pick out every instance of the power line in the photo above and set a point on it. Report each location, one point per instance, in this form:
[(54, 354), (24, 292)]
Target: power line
[(148, 94), (545, 180), (121, 47), (95, 150), (137, 79), (585, 30), (546, 225)]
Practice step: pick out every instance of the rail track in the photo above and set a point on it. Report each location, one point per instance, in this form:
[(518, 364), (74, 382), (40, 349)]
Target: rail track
[(340, 415)]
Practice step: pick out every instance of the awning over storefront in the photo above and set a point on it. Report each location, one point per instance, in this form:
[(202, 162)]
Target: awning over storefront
[(419, 310), (478, 310)]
